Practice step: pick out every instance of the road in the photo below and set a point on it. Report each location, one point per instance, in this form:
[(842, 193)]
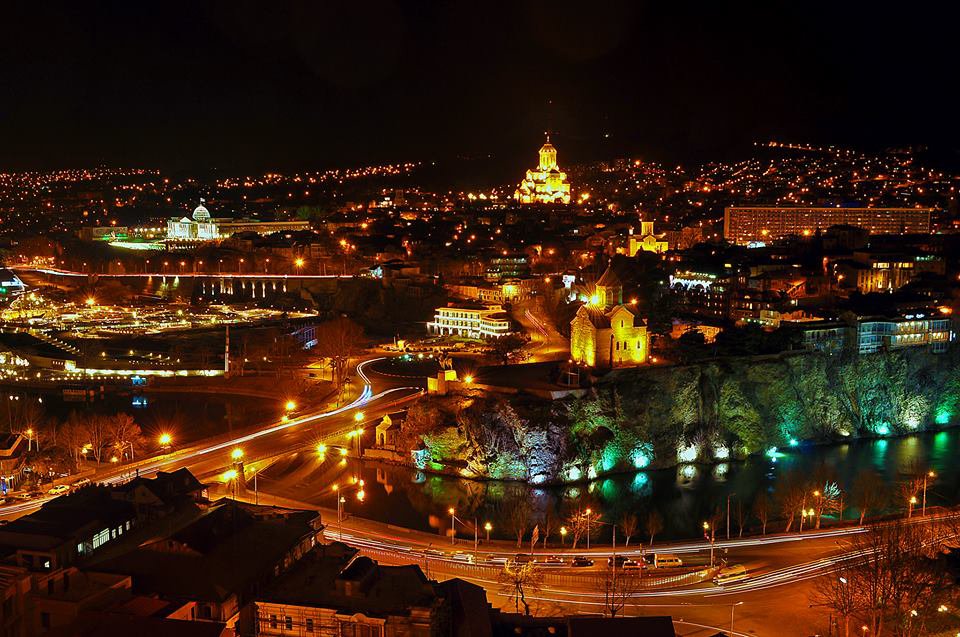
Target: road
[(213, 456), (546, 343)]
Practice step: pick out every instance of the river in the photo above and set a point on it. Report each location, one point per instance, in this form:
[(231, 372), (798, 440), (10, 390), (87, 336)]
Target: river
[(684, 496)]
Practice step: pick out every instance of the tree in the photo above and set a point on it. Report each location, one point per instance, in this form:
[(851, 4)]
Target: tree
[(629, 523), (519, 520), (619, 585), (339, 340), (761, 509), (839, 591), (72, 437), (581, 523), (504, 346), (792, 497), (654, 524), (125, 435), (867, 493), (895, 578), (518, 580), (97, 430)]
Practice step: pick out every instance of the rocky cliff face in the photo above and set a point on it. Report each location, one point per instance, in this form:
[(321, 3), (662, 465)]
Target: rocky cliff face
[(655, 417)]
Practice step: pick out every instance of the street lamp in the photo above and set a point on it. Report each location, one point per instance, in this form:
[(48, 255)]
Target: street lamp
[(928, 474), (29, 433), (453, 528), (165, 439), (488, 527), (237, 454), (341, 500), (290, 405), (708, 534), (588, 513), (563, 535), (910, 504)]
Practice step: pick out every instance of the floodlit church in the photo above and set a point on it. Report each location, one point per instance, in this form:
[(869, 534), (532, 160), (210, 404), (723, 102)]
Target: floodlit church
[(547, 183), (605, 332)]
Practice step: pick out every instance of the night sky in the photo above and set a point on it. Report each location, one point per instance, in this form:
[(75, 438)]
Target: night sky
[(253, 86)]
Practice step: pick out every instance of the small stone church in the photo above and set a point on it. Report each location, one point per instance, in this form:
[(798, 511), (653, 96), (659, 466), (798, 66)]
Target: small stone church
[(606, 333)]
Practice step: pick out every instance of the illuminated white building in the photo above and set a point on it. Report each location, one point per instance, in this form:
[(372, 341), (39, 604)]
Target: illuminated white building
[(470, 321), (202, 227), (547, 183)]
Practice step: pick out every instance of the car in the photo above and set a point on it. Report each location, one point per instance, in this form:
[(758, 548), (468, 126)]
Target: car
[(463, 557), (60, 489), (523, 558), (497, 559), (79, 484), (733, 573), (581, 562), (622, 562), (551, 560)]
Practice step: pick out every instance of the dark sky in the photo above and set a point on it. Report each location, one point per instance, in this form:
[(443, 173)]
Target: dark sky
[(246, 85)]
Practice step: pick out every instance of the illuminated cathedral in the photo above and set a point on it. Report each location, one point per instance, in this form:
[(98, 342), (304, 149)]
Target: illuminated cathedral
[(605, 332), (547, 183)]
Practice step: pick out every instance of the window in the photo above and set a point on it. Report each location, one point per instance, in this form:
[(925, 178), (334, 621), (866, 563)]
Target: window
[(309, 624), (273, 621), (288, 623)]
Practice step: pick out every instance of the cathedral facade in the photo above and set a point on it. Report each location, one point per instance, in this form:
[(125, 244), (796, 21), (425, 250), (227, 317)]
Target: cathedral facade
[(546, 183)]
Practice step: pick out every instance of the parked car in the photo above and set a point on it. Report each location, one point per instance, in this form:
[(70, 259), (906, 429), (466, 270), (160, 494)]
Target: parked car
[(581, 562), (60, 489)]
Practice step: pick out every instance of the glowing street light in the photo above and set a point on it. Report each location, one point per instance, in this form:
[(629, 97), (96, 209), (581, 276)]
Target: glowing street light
[(322, 449), (165, 439), (931, 475), (453, 528), (358, 417), (468, 379), (90, 301), (299, 262), (910, 505), (488, 527), (290, 405), (563, 535), (237, 454)]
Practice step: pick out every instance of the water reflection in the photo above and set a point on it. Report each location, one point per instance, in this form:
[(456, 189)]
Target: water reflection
[(684, 496)]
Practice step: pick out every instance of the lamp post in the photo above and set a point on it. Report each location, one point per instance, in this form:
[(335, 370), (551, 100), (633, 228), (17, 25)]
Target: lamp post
[(708, 534), (563, 536), (732, 607), (341, 500), (928, 474), (912, 501), (589, 514), (453, 528), (488, 527)]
